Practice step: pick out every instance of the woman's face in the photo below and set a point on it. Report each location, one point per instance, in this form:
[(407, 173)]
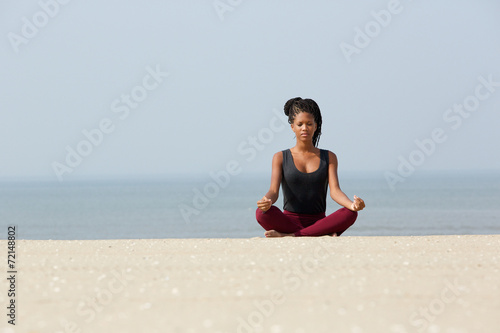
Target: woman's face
[(304, 126)]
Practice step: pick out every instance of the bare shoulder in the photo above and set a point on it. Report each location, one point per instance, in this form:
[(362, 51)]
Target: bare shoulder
[(278, 157), (332, 158)]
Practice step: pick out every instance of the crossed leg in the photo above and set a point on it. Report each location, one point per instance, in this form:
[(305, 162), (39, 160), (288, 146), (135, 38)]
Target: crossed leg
[(278, 224)]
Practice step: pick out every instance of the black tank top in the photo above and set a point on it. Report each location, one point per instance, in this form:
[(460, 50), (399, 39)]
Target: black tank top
[(304, 193)]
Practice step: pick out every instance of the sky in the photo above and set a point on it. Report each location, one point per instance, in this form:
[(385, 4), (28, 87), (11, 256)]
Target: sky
[(118, 89)]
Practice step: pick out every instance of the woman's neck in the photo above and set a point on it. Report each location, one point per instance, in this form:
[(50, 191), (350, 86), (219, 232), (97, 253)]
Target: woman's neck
[(304, 147)]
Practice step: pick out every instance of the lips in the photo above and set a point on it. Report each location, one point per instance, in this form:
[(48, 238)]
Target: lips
[(304, 134)]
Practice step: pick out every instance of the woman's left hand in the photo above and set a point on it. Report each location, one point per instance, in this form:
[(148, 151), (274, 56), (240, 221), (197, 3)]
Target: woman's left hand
[(358, 204)]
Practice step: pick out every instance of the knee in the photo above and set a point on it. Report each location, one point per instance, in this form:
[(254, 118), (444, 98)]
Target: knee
[(352, 215), (259, 214)]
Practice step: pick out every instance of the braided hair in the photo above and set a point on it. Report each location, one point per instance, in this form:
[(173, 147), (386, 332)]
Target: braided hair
[(297, 105)]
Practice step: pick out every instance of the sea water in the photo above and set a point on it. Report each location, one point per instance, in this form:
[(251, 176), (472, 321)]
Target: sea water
[(428, 204)]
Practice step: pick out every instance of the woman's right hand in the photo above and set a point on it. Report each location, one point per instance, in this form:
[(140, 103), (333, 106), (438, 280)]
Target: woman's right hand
[(264, 204)]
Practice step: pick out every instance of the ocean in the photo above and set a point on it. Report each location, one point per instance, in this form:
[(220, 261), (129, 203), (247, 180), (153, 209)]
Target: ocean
[(438, 203)]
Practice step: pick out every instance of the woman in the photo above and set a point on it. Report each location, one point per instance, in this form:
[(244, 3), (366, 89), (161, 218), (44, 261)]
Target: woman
[(305, 172)]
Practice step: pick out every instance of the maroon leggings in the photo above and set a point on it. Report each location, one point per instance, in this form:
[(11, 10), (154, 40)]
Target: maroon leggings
[(306, 224)]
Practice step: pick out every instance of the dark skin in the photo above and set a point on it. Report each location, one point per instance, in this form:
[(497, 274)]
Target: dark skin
[(307, 159)]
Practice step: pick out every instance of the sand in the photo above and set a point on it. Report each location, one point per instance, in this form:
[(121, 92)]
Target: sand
[(293, 285)]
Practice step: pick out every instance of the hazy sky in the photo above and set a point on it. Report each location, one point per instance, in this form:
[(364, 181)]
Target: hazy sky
[(155, 88)]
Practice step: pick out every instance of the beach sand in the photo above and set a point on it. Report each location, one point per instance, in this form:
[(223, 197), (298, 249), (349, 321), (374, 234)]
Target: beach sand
[(446, 284)]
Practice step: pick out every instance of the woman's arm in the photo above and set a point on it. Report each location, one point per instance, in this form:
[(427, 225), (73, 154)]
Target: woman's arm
[(335, 192), (272, 195)]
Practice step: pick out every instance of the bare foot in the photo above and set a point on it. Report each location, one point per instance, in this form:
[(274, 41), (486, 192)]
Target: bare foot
[(334, 234), (274, 233)]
